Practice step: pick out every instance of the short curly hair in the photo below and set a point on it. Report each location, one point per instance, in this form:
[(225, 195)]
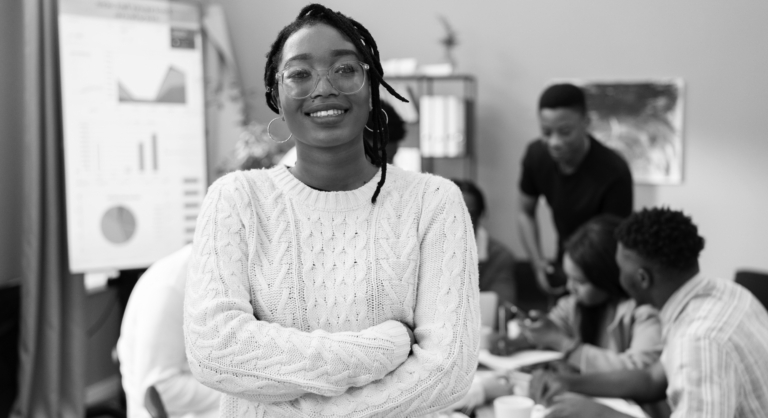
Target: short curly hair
[(663, 236)]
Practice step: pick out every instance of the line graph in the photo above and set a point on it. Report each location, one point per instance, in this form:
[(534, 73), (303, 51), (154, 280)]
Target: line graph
[(172, 90)]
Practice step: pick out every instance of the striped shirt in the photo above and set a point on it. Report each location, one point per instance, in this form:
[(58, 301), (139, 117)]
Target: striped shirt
[(716, 351)]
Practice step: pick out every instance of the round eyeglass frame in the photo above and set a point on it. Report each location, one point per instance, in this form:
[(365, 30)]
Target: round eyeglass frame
[(319, 74)]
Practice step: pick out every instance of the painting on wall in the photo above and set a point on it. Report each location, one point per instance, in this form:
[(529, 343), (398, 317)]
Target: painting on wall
[(643, 121)]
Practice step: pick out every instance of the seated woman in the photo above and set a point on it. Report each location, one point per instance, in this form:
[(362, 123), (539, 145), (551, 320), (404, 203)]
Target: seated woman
[(597, 326)]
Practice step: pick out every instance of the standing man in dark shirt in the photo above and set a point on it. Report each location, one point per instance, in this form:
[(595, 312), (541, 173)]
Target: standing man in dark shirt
[(578, 176)]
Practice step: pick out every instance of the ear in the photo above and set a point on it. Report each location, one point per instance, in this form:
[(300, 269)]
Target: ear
[(586, 120), (644, 278)]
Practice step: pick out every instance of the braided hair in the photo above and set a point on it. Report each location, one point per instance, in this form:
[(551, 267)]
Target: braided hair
[(366, 46)]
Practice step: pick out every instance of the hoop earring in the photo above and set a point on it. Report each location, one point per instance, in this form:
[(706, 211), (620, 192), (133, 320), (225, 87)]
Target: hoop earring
[(270, 134), (386, 116)]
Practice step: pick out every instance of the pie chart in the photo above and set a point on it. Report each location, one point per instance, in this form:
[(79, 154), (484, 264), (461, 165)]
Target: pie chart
[(118, 224)]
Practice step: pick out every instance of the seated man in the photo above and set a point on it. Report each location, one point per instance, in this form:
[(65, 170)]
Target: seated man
[(495, 262), (151, 344), (598, 327), (716, 333)]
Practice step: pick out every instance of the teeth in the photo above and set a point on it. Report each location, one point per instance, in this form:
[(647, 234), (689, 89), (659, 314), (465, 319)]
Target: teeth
[(326, 113)]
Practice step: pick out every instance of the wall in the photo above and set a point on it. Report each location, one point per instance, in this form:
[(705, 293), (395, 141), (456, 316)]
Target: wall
[(11, 44), (514, 48)]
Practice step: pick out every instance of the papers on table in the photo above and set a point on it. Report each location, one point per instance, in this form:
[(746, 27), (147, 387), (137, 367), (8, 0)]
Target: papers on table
[(623, 406), (520, 359)]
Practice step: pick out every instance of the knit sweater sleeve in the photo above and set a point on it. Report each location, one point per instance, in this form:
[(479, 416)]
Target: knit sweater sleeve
[(447, 324), (232, 351)]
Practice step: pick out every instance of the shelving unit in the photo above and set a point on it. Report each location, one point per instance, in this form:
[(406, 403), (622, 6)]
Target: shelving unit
[(461, 85)]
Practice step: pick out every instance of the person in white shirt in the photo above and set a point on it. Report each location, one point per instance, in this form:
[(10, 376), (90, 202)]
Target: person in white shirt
[(151, 344), (341, 286)]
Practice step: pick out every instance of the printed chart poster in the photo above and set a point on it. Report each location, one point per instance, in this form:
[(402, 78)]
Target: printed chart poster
[(134, 134)]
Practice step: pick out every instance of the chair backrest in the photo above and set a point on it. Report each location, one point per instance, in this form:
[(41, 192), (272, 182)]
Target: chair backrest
[(489, 301), (154, 404), (755, 282)]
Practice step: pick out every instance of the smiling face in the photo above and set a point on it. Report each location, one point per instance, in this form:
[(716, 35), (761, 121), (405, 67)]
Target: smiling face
[(326, 118)]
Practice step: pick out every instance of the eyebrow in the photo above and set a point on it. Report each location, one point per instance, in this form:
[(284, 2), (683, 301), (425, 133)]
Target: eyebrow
[(334, 53)]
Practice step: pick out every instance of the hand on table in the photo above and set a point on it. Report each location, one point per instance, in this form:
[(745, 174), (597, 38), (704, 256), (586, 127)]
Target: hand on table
[(571, 405), (542, 332), (503, 346), (545, 385)]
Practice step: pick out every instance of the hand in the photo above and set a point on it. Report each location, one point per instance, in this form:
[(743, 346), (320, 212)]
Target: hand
[(563, 368), (543, 270), (474, 397), (542, 332), (503, 346), (545, 385), (571, 405)]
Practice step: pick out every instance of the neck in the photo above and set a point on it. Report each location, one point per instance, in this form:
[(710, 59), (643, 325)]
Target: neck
[(333, 169), (569, 167), (672, 282)]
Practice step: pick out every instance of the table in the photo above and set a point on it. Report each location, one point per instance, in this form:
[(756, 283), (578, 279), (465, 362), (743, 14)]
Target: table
[(510, 365)]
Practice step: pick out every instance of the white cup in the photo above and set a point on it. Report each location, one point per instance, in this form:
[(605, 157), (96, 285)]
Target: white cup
[(513, 406)]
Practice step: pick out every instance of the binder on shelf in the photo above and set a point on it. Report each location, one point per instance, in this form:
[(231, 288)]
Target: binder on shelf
[(425, 128), (455, 123), (443, 127)]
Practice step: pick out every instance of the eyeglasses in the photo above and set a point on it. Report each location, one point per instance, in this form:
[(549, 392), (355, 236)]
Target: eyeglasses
[(345, 77)]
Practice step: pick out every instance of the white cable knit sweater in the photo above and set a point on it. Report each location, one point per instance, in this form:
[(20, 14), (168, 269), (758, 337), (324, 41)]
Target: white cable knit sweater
[(295, 297)]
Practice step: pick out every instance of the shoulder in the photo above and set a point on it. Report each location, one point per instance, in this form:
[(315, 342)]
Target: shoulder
[(430, 187), (722, 310), (640, 313), (243, 179), (169, 270), (164, 280), (609, 160), (536, 151), (239, 186)]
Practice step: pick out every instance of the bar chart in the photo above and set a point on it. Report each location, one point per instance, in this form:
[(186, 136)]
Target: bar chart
[(134, 133)]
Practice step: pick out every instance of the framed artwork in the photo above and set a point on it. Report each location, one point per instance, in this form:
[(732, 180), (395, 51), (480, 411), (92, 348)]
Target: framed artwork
[(643, 121)]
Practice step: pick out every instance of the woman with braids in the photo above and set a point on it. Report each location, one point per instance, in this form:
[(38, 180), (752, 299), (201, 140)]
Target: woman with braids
[(340, 287)]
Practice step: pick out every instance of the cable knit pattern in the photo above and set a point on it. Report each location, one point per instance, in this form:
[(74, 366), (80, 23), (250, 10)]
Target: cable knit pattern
[(295, 298)]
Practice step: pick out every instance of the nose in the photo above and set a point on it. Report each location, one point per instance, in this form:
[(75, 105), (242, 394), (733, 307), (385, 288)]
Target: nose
[(554, 141), (324, 86)]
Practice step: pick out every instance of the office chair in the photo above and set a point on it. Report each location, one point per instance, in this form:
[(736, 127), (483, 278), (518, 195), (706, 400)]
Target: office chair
[(755, 282), (154, 404)]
